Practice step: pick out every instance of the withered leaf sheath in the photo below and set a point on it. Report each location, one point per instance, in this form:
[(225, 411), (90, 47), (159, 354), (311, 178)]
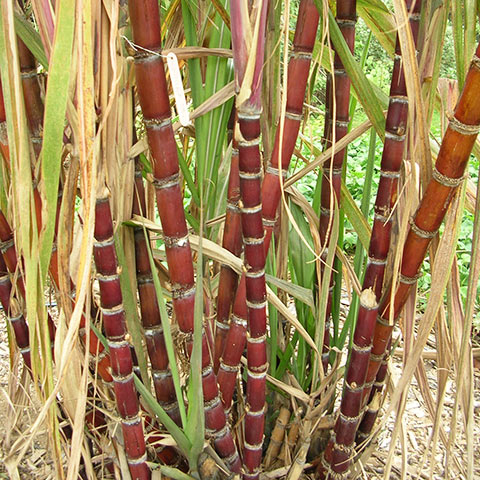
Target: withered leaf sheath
[(114, 322), (153, 95)]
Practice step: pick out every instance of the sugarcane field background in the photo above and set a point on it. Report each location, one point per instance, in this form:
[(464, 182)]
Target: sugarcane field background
[(239, 239)]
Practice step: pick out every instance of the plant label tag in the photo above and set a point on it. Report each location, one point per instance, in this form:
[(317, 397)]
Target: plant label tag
[(178, 91)]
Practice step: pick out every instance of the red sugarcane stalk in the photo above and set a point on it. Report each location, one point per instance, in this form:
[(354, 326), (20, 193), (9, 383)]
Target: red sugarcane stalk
[(14, 316), (256, 293), (151, 321), (387, 197), (250, 172), (8, 250), (153, 95), (332, 173), (298, 69), (392, 157), (340, 448), (339, 451), (116, 331), (31, 95), (448, 174), (232, 241), (370, 411), (95, 346)]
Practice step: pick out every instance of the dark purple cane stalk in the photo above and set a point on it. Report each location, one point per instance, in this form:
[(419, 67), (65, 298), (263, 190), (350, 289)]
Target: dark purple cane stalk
[(116, 331), (153, 95)]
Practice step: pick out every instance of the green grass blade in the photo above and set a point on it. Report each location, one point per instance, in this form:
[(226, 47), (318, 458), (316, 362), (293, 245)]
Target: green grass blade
[(272, 311), (188, 177), (380, 21), (471, 14), (130, 306), (167, 332), (369, 98), (363, 58), (195, 428), (174, 430), (31, 38), (457, 24), (357, 219), (55, 107)]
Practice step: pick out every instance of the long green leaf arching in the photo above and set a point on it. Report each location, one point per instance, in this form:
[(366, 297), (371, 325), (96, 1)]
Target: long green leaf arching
[(169, 344), (360, 83), (130, 305)]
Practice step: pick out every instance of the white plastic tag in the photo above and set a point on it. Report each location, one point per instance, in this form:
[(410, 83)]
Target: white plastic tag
[(178, 91)]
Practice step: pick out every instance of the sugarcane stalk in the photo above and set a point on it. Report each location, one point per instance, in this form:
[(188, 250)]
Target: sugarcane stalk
[(340, 449), (392, 157), (370, 411), (298, 69), (14, 315), (150, 313), (153, 95), (248, 104), (339, 96), (448, 174), (232, 241), (387, 198), (116, 331), (31, 95)]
